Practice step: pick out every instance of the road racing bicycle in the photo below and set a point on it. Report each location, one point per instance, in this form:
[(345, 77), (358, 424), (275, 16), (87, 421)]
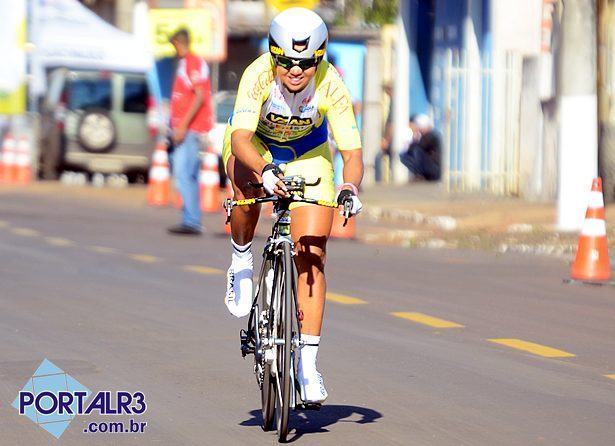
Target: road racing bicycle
[(273, 334)]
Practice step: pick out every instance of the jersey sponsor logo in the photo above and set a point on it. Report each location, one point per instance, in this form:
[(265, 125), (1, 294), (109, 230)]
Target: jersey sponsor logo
[(336, 95), (293, 120), (263, 80)]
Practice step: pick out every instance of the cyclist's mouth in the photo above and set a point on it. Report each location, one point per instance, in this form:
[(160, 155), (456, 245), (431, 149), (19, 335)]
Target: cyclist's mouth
[(296, 81)]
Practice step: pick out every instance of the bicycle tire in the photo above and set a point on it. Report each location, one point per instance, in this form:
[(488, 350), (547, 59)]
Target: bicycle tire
[(284, 351), (268, 389)]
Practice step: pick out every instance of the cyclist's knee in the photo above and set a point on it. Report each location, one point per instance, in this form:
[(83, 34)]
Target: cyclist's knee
[(242, 186), (311, 253)]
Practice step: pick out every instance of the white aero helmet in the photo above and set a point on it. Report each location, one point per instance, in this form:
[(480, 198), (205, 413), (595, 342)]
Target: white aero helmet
[(298, 33)]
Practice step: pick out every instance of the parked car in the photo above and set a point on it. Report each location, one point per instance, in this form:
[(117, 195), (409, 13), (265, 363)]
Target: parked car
[(224, 102), (95, 121)]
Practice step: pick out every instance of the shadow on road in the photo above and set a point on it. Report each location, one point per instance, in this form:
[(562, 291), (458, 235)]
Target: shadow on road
[(313, 422)]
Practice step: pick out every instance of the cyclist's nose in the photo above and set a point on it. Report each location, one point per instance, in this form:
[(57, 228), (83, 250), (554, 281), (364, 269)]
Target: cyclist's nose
[(296, 70)]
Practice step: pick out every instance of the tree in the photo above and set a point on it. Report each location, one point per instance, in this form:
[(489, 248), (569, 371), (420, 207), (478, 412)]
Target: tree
[(374, 12)]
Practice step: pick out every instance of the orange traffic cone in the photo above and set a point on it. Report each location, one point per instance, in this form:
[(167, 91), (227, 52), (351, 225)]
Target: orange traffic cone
[(23, 162), (592, 260), (2, 161), (7, 169), (209, 183), (158, 190)]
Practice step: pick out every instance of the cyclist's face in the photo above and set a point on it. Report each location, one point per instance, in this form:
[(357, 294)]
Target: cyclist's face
[(295, 79)]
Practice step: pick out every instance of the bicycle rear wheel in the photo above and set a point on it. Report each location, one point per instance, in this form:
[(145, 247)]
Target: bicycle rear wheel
[(284, 331)]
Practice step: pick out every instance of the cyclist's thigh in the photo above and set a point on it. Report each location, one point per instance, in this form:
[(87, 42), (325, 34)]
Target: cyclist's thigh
[(239, 174), (313, 168), (311, 224)]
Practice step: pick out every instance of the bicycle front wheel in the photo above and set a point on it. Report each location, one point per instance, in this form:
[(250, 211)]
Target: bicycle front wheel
[(284, 332), (268, 386)]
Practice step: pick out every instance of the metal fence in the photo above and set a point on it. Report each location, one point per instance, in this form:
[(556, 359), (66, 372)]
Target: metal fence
[(476, 106)]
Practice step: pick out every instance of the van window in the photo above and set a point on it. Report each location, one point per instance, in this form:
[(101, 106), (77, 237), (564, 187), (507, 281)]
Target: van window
[(135, 96), (85, 93), (224, 108)]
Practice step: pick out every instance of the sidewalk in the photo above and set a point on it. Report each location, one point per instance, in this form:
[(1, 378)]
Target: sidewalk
[(424, 215)]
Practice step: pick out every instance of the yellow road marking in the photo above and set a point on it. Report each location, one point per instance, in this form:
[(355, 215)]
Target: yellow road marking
[(610, 376), (59, 241), (102, 249), (427, 320), (531, 347), (455, 261), (345, 300), (145, 258), (25, 232), (203, 269)]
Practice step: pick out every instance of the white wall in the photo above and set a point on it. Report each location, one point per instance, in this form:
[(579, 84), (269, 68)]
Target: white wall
[(516, 25)]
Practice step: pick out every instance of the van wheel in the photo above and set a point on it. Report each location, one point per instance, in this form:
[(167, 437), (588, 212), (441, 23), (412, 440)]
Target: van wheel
[(96, 131)]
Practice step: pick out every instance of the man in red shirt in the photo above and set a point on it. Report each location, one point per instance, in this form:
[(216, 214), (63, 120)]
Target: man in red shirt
[(191, 119)]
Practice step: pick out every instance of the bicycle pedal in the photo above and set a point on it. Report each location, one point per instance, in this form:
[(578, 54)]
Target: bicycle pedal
[(246, 350), (247, 347)]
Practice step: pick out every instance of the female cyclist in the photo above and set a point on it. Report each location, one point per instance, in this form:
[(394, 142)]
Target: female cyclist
[(286, 99)]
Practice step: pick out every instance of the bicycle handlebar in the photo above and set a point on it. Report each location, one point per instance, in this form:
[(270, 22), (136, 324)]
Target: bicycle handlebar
[(294, 183), (260, 185), (274, 198)]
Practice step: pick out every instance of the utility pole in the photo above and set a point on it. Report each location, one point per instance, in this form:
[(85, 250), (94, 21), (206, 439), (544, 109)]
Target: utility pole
[(578, 111), (401, 88), (606, 92)]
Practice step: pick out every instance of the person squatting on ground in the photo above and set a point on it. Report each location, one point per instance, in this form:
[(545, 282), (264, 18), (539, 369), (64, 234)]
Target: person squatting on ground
[(286, 99), (191, 119), (422, 157)]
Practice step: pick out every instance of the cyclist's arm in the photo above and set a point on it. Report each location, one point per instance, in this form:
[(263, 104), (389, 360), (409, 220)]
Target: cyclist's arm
[(244, 150), (353, 167), (251, 94)]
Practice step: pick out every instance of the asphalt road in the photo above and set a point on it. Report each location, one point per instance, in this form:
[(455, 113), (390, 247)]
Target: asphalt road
[(419, 347)]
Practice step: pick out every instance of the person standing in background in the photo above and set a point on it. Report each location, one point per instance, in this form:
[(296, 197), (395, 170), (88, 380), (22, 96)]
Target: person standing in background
[(191, 120)]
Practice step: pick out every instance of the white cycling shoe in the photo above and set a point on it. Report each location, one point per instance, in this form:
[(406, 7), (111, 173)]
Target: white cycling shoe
[(238, 298), (311, 386)]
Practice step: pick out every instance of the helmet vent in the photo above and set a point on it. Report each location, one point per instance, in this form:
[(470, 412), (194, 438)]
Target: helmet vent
[(301, 45)]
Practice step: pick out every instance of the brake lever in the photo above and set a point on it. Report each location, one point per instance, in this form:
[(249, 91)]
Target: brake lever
[(347, 209), (228, 206)]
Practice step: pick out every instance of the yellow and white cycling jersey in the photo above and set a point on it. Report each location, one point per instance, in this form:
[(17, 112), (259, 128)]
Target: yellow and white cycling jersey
[(292, 128)]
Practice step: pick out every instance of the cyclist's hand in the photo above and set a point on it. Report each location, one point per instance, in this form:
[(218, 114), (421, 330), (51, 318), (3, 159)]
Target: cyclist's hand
[(272, 181), (349, 195)]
